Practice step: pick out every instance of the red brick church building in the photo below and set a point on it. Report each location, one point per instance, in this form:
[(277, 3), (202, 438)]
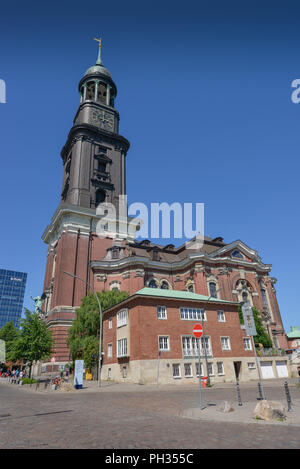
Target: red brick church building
[(94, 161)]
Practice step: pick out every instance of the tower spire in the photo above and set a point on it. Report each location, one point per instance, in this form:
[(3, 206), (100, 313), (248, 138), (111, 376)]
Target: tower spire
[(99, 61)]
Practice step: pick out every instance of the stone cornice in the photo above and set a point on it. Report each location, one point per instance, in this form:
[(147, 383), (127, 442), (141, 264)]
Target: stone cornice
[(158, 265), (91, 130)]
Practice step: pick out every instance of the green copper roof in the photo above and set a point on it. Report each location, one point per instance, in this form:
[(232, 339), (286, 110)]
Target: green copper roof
[(183, 295), (294, 332)]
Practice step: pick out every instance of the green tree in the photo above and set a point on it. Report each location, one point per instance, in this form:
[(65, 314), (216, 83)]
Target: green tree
[(262, 336), (83, 335), (34, 341), (9, 333)]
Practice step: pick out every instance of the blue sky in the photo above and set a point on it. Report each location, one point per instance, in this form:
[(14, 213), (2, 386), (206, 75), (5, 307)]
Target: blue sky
[(204, 95)]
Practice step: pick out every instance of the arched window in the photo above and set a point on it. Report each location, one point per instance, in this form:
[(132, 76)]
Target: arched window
[(90, 91), (102, 93), (152, 283), (213, 290), (245, 296), (164, 285)]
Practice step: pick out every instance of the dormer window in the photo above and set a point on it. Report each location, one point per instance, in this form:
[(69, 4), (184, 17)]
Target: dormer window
[(115, 253), (155, 254)]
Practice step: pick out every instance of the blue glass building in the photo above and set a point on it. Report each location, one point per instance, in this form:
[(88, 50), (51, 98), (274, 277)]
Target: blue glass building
[(12, 290)]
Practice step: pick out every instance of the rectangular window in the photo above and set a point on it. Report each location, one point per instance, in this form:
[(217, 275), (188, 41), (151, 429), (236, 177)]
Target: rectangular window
[(251, 365), (109, 373), (163, 343), (109, 350), (110, 323), (247, 343), (210, 369), (221, 316), (124, 372), (161, 312), (122, 348), (122, 318), (197, 369), (190, 346), (225, 343), (176, 370), (220, 367), (188, 370), (189, 314)]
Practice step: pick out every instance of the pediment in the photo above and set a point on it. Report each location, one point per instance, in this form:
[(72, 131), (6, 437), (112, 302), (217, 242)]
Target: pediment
[(237, 250)]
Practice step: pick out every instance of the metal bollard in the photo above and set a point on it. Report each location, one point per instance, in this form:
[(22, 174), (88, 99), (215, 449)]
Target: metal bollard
[(288, 396), (238, 392)]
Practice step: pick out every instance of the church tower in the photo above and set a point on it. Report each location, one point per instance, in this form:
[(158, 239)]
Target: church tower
[(94, 172), (94, 154)]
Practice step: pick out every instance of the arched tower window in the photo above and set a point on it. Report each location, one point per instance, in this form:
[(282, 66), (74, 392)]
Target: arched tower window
[(90, 90), (102, 92)]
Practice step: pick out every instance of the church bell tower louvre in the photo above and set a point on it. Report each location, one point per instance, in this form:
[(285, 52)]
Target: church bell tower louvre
[(94, 173)]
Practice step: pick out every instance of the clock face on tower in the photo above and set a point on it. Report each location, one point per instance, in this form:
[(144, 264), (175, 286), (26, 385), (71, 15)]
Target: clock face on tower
[(104, 118)]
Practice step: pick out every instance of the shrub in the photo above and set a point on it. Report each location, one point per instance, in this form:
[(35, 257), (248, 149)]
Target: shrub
[(29, 381)]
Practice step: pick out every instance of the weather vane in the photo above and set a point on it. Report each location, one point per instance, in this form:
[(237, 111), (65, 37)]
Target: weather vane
[(99, 51)]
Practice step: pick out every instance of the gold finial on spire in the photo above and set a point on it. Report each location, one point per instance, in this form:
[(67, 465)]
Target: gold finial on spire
[(99, 62)]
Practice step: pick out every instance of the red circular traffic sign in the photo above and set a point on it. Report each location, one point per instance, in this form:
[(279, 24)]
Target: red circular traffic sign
[(198, 331)]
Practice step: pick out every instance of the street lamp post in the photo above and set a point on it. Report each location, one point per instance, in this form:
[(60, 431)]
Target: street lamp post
[(100, 315)]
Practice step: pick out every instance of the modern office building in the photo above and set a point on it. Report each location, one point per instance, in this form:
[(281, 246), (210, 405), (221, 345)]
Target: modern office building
[(12, 289)]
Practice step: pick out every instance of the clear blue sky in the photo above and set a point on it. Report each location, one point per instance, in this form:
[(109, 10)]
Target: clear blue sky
[(204, 94)]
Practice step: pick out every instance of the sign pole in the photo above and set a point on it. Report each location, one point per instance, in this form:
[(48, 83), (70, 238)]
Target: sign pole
[(200, 385), (158, 362), (198, 332), (251, 332), (258, 369)]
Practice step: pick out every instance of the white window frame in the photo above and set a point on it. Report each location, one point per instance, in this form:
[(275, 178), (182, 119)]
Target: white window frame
[(122, 318), (110, 323), (161, 312), (247, 343), (210, 364), (190, 348), (122, 349), (192, 314), (109, 350), (228, 347), (179, 370), (190, 375), (197, 369), (223, 318), (167, 341), (220, 373)]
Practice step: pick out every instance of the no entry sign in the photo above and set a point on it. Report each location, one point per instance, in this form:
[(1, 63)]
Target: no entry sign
[(198, 331)]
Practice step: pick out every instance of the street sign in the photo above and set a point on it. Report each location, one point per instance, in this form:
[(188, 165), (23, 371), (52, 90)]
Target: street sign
[(198, 331)]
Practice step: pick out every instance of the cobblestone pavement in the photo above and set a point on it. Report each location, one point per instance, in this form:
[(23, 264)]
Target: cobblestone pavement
[(121, 416)]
